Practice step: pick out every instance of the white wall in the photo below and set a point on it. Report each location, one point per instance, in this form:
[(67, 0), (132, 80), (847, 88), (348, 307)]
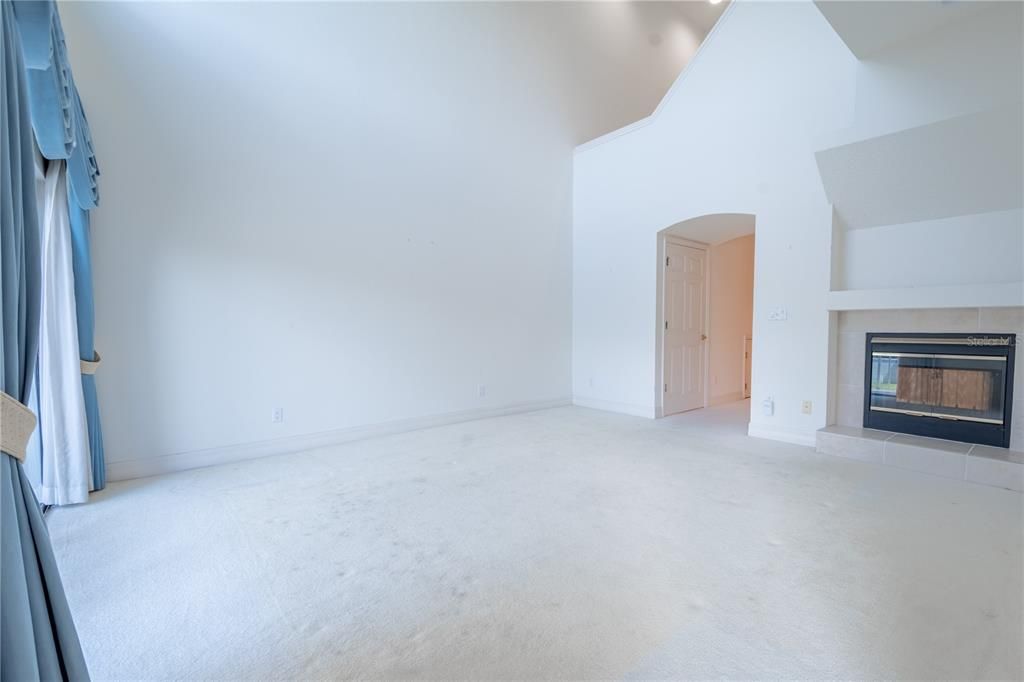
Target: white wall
[(734, 135), (962, 67), (737, 133), (973, 249), (731, 316), (357, 212), (967, 66)]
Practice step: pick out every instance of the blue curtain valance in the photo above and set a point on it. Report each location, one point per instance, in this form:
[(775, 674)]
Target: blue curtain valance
[(58, 117), (83, 171)]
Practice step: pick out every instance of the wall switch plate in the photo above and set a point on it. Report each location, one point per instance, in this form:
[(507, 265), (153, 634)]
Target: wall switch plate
[(768, 407), (806, 407), (277, 416), (778, 315), (481, 391)]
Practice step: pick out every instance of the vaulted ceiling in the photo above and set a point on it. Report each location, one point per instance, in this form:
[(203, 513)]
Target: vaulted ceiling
[(598, 65)]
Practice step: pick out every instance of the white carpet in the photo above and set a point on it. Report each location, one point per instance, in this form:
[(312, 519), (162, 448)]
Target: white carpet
[(567, 543)]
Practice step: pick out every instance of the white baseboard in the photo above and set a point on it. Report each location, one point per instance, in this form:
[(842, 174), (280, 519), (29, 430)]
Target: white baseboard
[(181, 461), (613, 406), (795, 437)]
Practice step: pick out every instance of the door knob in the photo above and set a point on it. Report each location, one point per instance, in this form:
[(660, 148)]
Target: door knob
[(703, 337)]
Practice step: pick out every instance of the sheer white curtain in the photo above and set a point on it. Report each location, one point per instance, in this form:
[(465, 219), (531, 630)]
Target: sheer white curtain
[(58, 463)]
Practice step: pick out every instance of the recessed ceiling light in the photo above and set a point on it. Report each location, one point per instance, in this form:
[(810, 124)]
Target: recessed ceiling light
[(714, 2)]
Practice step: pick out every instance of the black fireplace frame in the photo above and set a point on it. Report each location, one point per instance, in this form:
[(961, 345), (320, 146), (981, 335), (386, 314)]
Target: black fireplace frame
[(1003, 345)]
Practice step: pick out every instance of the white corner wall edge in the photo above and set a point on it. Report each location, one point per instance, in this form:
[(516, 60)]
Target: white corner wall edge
[(646, 411), (999, 295), (124, 470), (794, 437), (647, 120)]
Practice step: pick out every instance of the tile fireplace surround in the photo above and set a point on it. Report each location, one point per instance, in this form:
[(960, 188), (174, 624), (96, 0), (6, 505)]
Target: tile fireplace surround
[(846, 437)]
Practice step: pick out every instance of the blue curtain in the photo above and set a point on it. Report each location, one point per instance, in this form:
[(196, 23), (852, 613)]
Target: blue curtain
[(62, 132), (82, 263), (37, 634)]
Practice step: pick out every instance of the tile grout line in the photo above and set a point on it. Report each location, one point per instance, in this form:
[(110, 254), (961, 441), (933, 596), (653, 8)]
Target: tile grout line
[(885, 449)]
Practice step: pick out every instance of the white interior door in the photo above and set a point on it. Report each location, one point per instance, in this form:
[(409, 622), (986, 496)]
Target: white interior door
[(684, 328)]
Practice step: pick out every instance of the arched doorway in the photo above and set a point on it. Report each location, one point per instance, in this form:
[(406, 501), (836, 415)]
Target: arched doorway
[(705, 312)]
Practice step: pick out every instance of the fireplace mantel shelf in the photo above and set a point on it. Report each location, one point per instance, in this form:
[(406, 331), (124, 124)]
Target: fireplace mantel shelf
[(1004, 294)]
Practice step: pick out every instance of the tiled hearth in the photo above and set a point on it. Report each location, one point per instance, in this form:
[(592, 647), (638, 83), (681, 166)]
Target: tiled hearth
[(997, 467)]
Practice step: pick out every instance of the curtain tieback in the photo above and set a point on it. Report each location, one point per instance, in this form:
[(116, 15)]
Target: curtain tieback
[(90, 366), (16, 425)]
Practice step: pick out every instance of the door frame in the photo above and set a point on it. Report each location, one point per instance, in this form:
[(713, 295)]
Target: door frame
[(659, 355), (745, 389)]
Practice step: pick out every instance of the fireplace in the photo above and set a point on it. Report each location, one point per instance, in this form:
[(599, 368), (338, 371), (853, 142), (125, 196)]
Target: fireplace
[(953, 386)]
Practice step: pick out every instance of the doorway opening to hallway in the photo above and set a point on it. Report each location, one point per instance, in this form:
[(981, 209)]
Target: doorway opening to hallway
[(705, 301)]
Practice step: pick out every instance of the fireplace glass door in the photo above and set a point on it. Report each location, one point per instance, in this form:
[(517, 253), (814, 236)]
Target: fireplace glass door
[(947, 386)]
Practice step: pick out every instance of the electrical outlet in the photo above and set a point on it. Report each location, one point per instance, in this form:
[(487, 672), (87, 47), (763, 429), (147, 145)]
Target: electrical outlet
[(277, 416), (481, 391), (806, 407)]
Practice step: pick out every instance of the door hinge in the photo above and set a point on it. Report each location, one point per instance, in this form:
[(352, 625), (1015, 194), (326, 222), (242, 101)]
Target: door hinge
[(666, 388), (666, 261), (666, 324)]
